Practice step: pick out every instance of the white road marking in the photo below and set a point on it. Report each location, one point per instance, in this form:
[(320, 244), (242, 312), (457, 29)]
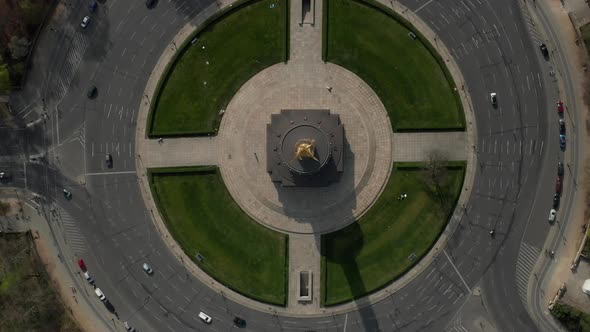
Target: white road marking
[(424, 5), (109, 173), (457, 271)]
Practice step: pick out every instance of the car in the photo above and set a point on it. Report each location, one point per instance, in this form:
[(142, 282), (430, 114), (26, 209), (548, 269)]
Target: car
[(147, 268), (150, 3), (560, 170), (552, 215), (560, 107), (544, 50), (4, 175), (85, 21), (100, 294), (108, 160), (556, 199), (239, 322), (128, 326), (88, 277), (92, 7), (494, 99), (82, 265), (558, 185), (562, 142), (204, 317), (91, 93), (561, 126), (67, 193)]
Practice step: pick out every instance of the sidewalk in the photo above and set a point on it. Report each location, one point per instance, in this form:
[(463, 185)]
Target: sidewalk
[(59, 262)]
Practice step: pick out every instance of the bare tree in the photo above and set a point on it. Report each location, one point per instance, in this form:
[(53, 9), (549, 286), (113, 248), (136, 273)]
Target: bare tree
[(435, 174)]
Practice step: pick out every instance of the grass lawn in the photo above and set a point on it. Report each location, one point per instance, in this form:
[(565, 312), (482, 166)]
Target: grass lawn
[(374, 251), (203, 218), (236, 47), (404, 74)]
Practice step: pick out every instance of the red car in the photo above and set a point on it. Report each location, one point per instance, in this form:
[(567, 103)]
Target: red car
[(560, 107), (558, 185), (82, 265)]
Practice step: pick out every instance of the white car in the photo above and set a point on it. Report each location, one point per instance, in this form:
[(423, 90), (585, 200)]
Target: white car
[(100, 294), (552, 214), (147, 268), (128, 326), (204, 317), (88, 277), (85, 21), (494, 98)]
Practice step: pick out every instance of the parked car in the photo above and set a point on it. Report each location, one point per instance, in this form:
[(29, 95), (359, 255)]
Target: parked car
[(560, 107), (562, 142), (556, 199), (92, 7), (109, 160), (88, 278), (150, 3), (100, 294), (558, 185), (561, 126), (552, 215), (147, 268), (82, 265), (494, 99), (560, 170), (67, 193), (4, 175), (204, 317), (85, 21), (128, 326), (544, 50)]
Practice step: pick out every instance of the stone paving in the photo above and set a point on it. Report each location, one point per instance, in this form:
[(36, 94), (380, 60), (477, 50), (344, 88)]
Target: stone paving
[(239, 152)]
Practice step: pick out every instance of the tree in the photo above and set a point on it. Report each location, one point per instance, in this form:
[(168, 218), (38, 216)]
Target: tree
[(5, 84), (19, 47), (435, 175)]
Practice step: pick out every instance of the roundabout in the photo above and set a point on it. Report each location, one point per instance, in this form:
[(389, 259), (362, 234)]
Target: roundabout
[(116, 215)]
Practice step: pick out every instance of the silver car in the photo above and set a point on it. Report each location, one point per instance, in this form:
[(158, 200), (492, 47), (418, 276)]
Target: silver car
[(85, 21)]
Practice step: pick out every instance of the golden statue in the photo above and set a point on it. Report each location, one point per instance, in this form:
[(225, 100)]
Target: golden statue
[(304, 149)]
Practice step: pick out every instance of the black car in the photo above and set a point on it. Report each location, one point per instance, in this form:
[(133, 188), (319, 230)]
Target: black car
[(560, 169), (556, 201), (239, 322), (561, 126), (109, 160), (91, 93), (150, 3), (544, 50)]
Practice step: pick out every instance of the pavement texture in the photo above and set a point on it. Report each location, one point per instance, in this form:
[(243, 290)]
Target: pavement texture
[(305, 82)]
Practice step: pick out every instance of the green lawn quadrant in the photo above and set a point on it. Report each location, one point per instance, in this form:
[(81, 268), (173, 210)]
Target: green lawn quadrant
[(402, 71), (228, 52), (203, 218), (374, 251)]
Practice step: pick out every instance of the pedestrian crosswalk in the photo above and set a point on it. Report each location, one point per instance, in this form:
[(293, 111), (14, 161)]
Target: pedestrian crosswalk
[(527, 257), (456, 324), (73, 237), (64, 72)]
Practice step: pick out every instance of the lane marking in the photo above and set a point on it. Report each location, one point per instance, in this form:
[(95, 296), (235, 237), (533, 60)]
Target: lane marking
[(457, 271), (110, 173), (424, 5)]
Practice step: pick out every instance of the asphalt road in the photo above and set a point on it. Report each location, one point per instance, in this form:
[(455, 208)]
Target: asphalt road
[(517, 152)]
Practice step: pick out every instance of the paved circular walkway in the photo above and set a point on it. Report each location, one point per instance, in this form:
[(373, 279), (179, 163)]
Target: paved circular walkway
[(368, 147)]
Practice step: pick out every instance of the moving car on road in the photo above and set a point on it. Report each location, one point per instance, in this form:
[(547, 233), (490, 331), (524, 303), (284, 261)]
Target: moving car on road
[(204, 317), (147, 268), (239, 322), (109, 160), (560, 169), (85, 21), (67, 193), (82, 265), (128, 326), (561, 126), (92, 90), (88, 278), (494, 99), (558, 185)]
